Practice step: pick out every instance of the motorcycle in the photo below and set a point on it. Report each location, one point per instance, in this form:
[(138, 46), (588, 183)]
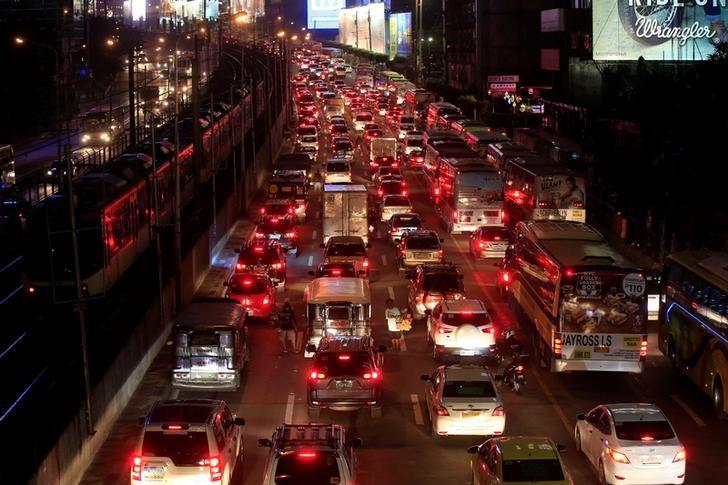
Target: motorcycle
[(514, 375)]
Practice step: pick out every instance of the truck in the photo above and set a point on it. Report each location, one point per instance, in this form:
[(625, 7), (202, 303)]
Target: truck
[(345, 211), (334, 106), (382, 147)]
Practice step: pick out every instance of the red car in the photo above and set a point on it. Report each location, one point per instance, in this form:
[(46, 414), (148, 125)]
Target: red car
[(255, 292)]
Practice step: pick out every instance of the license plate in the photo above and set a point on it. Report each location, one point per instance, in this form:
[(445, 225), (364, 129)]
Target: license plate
[(470, 414), (651, 460), (582, 355), (153, 473), (467, 353), (421, 255), (259, 269), (274, 236), (342, 385)]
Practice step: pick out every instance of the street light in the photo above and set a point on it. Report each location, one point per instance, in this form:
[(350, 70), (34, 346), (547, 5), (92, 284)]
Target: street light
[(281, 34)]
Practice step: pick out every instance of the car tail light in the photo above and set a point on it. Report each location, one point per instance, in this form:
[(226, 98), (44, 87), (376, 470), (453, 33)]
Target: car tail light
[(136, 467), (277, 265), (444, 330), (365, 263), (503, 215), (680, 456), (647, 438), (215, 469), (557, 346), (371, 376), (578, 204), (315, 375), (498, 411), (542, 203), (488, 329), (643, 348), (455, 215), (404, 192), (259, 234), (266, 300), (505, 276), (240, 266), (617, 456), (395, 165), (306, 455), (441, 253), (441, 410), (262, 210), (345, 357), (380, 193), (409, 209)]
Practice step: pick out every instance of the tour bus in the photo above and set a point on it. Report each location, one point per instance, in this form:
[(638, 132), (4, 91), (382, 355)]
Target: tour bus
[(435, 151), (399, 88), (416, 101), (536, 188), (435, 110), (469, 194), (693, 323), (585, 302), (479, 140), (387, 77), (499, 153)]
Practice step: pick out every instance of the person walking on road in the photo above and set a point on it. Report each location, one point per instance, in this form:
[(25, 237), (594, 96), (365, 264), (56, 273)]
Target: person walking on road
[(393, 316), (287, 329)]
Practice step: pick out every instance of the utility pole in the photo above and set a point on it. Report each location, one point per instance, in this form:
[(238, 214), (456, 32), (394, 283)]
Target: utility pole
[(197, 133), (232, 146), (445, 67), (177, 186), (78, 304), (242, 122), (132, 105), (418, 9), (156, 226)]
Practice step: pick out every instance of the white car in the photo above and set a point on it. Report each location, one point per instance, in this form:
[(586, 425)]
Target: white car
[(631, 443), (460, 329), (463, 400), (195, 441), (362, 119), (394, 204), (337, 171)]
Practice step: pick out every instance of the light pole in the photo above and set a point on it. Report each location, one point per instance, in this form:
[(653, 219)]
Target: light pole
[(418, 10)]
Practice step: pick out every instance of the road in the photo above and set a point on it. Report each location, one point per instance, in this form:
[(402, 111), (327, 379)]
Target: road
[(398, 447)]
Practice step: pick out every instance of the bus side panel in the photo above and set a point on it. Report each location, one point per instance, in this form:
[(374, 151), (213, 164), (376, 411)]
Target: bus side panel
[(719, 368), (532, 310)]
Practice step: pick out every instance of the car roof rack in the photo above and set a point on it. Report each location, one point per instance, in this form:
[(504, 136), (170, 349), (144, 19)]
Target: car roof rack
[(306, 434)]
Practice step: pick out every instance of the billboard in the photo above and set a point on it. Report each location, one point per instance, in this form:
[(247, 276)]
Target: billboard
[(364, 27), (400, 34), (658, 30), (324, 14)]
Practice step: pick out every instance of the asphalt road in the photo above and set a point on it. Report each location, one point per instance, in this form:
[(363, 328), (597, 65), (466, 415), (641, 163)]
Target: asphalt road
[(398, 447)]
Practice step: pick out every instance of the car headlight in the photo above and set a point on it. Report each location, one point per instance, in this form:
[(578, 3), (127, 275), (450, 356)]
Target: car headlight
[(85, 138), (105, 137)]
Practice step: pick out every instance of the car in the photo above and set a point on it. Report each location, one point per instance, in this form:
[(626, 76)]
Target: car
[(346, 375), (419, 247), (306, 131), (338, 130), (337, 171), (432, 283), (254, 291), (489, 242), (392, 178), (344, 269), (391, 187), (459, 329), (362, 119), (398, 224), (381, 172), (405, 124), (279, 229), (277, 208), (382, 108), (343, 149), (518, 459), (263, 257), (631, 443), (463, 400), (310, 454), (415, 159), (383, 161), (370, 134), (347, 249), (308, 144), (188, 441), (394, 204)]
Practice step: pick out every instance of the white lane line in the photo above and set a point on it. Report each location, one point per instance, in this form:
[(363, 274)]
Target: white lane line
[(314, 234), (687, 410), (419, 419), (174, 395), (384, 260), (289, 408), (390, 292), (310, 260)]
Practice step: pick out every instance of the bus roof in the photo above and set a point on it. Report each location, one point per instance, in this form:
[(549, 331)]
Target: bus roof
[(709, 265), (508, 147), (574, 244), (486, 136), (469, 165), (329, 289), (538, 166)]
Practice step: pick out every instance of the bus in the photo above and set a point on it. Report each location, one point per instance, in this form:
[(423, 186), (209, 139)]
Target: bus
[(479, 140), (537, 188), (437, 109), (416, 101), (499, 153), (693, 322), (469, 194), (583, 301), (435, 151)]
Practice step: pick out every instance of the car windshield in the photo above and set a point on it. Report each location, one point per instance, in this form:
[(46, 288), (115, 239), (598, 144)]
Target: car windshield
[(468, 389), (184, 449), (407, 119), (441, 282), (406, 221), (396, 201), (466, 318), (276, 225), (276, 209), (542, 470), (346, 249), (391, 188), (342, 146), (308, 139), (342, 364), (364, 118), (426, 242), (643, 430), (337, 167), (307, 130), (309, 468), (414, 142), (496, 234), (248, 284)]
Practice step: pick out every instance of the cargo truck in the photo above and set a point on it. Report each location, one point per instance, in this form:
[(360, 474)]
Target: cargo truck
[(345, 211)]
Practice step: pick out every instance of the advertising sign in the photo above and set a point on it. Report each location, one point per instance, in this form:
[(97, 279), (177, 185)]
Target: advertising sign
[(400, 33), (363, 27), (324, 14), (658, 30)]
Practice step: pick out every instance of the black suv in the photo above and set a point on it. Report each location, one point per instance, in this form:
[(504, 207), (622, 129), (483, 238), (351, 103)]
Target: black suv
[(346, 375), (433, 283), (263, 257), (345, 269)]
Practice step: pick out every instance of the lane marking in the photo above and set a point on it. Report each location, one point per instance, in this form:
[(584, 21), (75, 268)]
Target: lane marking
[(390, 291), (687, 410), (314, 234), (384, 260), (419, 418), (289, 408), (310, 260)]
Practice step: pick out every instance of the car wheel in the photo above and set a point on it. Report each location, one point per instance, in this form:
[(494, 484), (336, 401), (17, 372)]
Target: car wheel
[(602, 474), (376, 412), (314, 412), (577, 439), (718, 403)]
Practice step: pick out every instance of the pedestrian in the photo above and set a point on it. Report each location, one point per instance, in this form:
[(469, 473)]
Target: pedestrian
[(287, 329), (393, 316)]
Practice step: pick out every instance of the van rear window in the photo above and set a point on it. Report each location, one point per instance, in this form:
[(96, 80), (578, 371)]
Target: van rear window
[(184, 449)]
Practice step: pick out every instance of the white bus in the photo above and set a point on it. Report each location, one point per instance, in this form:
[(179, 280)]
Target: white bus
[(584, 301)]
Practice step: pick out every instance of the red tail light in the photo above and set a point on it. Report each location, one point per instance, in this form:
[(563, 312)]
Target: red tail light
[(277, 266), (215, 469), (489, 329), (371, 376), (643, 348), (455, 215), (345, 357), (365, 263), (437, 190), (315, 375), (306, 455), (680, 456), (441, 410), (506, 276), (258, 249), (542, 203), (266, 300), (404, 192), (395, 165), (578, 204), (499, 411), (239, 266), (441, 253), (262, 210), (291, 234), (444, 330), (503, 215), (136, 468), (557, 346), (380, 193)]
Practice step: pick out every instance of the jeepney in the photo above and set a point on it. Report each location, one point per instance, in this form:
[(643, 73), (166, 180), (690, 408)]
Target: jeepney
[(337, 306)]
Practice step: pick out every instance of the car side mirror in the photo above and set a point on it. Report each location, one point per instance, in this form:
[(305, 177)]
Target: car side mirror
[(356, 442), (581, 417), (560, 448), (310, 348), (265, 442), (382, 348), (473, 450), (239, 421), (426, 378), (311, 273)]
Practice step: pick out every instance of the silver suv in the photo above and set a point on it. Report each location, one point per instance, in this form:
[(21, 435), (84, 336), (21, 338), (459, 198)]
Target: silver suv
[(190, 440), (310, 453)]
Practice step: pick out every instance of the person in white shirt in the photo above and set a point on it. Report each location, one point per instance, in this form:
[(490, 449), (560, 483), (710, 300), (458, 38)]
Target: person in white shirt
[(393, 316)]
